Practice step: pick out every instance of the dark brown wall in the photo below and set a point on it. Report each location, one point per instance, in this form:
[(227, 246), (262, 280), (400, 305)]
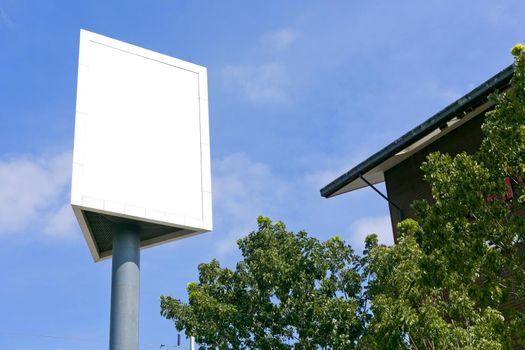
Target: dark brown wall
[(404, 182)]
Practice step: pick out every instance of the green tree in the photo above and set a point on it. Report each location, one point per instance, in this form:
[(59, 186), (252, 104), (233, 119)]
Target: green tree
[(448, 281), (290, 291)]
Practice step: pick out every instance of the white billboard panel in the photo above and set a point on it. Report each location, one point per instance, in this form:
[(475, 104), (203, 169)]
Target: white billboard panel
[(141, 150)]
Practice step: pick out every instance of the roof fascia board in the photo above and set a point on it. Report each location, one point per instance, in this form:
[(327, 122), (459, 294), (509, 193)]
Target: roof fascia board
[(471, 99)]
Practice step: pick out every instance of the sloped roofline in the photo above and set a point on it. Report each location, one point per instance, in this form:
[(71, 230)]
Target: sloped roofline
[(347, 181)]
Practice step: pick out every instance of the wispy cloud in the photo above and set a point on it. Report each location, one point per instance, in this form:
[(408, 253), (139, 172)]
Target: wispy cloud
[(328, 167), (363, 227), (442, 94), (61, 223), (266, 83), (5, 20), (33, 193), (279, 40), (243, 190), (319, 178)]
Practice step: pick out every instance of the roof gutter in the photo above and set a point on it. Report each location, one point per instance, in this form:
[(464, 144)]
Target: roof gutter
[(471, 99)]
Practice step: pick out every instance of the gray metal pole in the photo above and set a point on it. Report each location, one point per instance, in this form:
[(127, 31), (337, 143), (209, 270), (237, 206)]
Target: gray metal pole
[(125, 287)]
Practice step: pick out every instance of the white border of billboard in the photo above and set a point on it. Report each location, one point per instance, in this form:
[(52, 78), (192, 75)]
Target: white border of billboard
[(121, 189)]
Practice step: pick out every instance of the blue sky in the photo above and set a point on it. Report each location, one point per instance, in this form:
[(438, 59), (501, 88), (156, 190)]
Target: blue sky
[(299, 92)]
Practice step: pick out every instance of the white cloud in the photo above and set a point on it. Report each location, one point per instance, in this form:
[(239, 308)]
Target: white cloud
[(380, 225), (322, 177), (269, 81), (279, 40), (5, 19), (61, 223), (266, 83), (329, 167), (33, 193), (243, 190)]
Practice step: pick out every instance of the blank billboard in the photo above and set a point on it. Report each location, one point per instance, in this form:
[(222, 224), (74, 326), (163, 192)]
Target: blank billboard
[(141, 150)]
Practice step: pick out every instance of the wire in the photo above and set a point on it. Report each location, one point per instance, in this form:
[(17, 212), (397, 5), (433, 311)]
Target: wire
[(39, 335), (77, 339)]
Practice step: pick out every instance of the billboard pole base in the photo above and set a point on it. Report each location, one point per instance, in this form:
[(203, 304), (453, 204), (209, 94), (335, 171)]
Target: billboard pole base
[(125, 288)]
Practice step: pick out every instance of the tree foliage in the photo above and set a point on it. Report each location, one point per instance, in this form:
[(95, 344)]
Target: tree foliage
[(289, 292), (449, 282)]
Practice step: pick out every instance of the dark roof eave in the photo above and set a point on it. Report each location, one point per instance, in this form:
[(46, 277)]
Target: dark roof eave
[(474, 97)]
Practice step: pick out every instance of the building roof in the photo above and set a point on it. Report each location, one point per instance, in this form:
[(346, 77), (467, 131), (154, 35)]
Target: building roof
[(457, 113)]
